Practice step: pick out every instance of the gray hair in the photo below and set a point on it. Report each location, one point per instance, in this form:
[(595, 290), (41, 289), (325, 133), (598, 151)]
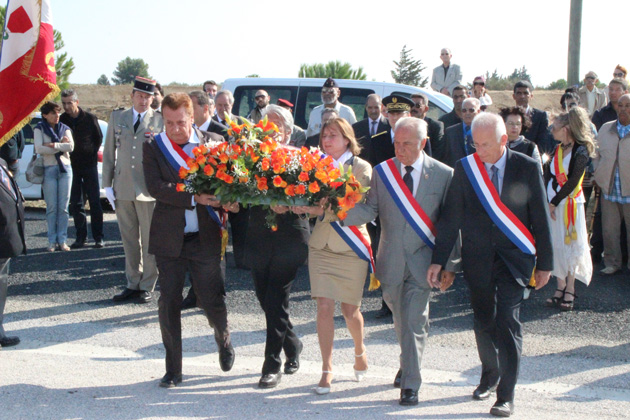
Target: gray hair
[(226, 93), (282, 113), (201, 97), (416, 124), (489, 120), (70, 93), (330, 111), (374, 96), (473, 101)]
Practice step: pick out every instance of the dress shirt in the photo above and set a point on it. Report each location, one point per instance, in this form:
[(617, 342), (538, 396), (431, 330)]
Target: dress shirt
[(500, 165), (373, 123), (135, 115), (591, 95), (416, 173), (205, 125), (192, 222)]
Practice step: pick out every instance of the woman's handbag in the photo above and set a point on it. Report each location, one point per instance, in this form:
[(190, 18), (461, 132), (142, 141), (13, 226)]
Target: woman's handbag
[(35, 170)]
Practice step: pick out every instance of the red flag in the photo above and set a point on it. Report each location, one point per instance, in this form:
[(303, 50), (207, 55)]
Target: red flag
[(27, 64)]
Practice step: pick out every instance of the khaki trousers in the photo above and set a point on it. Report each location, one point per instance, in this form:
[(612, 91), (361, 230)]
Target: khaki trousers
[(612, 215)]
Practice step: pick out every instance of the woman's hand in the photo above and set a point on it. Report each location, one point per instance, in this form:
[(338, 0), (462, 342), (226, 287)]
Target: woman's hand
[(280, 209), (552, 211), (233, 207), (312, 210)]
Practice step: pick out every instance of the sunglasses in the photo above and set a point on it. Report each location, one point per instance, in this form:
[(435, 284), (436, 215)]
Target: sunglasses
[(259, 96), (618, 74), (471, 110), (590, 78), (479, 84)]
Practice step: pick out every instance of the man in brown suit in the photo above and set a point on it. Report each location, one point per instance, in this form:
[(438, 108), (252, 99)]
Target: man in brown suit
[(184, 236)]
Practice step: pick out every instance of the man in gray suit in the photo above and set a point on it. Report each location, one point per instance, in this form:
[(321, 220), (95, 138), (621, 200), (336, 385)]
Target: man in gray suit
[(403, 256), (446, 76), (123, 180)]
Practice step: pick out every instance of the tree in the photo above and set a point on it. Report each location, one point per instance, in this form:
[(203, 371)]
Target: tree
[(496, 81), (128, 69), (64, 65), (334, 69), (559, 84), (409, 71), (103, 80)]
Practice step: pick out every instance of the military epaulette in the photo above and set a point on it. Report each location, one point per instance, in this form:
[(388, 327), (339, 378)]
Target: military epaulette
[(378, 134)]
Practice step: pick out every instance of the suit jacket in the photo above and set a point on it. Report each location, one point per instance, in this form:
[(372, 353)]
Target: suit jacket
[(166, 237), (539, 131), (450, 119), (454, 148), (217, 128), (399, 244), (298, 136), (600, 99), (323, 233), (452, 79), (383, 147), (363, 136), (122, 154), (12, 241), (524, 194), (435, 131), (235, 118)]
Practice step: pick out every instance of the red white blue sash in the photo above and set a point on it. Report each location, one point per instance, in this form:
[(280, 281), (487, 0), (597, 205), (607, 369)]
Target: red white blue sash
[(503, 217), (356, 241), (406, 202), (176, 156)]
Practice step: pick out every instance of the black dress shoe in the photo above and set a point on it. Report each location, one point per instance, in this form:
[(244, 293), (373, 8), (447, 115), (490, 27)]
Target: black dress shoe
[(189, 302), (126, 295), (77, 244), (99, 243), (292, 364), (9, 341), (398, 378), (483, 392), (270, 380), (226, 357), (408, 397), (144, 296), (170, 380), (502, 408), (384, 312)]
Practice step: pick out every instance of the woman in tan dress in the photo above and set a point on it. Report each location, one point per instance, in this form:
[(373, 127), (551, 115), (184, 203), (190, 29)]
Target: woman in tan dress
[(336, 272)]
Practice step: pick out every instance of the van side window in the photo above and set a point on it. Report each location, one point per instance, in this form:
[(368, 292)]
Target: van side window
[(244, 97), (434, 112), (310, 97)]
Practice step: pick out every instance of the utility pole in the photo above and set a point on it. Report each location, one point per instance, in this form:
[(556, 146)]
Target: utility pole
[(575, 36)]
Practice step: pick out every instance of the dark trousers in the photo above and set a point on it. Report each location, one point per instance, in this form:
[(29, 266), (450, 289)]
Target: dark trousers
[(238, 223), (207, 275), (85, 181), (274, 267), (496, 306)]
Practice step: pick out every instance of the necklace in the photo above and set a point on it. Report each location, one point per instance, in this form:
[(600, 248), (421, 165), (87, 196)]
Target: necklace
[(566, 146)]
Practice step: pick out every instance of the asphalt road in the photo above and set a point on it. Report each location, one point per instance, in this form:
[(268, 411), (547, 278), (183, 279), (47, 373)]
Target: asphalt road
[(581, 359)]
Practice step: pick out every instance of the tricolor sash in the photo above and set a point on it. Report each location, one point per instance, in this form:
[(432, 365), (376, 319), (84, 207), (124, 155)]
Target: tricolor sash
[(502, 216), (176, 156), (406, 203), (570, 210), (356, 241)]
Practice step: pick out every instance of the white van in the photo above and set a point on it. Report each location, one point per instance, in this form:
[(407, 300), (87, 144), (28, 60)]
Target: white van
[(305, 94)]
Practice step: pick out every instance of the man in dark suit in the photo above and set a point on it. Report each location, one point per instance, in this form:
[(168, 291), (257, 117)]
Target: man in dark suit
[(435, 129), (184, 237), (539, 129), (373, 124), (458, 141), (495, 268), (12, 241), (460, 93), (204, 110)]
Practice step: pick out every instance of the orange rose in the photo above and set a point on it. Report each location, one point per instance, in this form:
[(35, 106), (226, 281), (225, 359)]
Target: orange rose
[(193, 168), (208, 170), (212, 161), (303, 177), (261, 183), (201, 159), (313, 187), (264, 164), (180, 187), (223, 158), (279, 182), (300, 189), (342, 214), (336, 184), (290, 190), (183, 172)]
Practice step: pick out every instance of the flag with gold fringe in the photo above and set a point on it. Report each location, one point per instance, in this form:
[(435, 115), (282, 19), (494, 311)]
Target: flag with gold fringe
[(27, 64)]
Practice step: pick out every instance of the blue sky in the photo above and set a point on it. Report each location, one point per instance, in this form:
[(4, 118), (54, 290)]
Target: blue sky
[(191, 41)]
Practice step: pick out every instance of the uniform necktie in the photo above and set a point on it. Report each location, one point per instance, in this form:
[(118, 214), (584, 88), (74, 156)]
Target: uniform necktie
[(136, 124), (373, 131), (6, 181), (407, 179), (495, 178)]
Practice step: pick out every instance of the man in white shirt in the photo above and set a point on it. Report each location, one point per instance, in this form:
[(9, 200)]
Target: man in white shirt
[(330, 99)]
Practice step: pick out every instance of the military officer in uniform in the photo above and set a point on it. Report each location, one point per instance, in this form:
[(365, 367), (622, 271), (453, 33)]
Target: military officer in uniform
[(123, 180)]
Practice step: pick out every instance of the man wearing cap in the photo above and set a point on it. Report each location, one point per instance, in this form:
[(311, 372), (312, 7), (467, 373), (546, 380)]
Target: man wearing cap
[(446, 76), (123, 180), (262, 100), (383, 143), (375, 123), (330, 99), (203, 108), (458, 140)]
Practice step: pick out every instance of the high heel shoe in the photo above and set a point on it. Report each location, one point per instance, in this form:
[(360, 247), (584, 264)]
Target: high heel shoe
[(554, 301), (323, 390), (567, 305), (359, 374)]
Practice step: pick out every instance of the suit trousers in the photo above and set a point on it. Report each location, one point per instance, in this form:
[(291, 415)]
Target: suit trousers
[(274, 267), (4, 279), (496, 307), (238, 224), (85, 181), (612, 216), (134, 222), (409, 302), (207, 276)]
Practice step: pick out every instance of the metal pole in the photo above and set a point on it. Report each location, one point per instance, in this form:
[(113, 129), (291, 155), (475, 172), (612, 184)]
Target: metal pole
[(575, 35)]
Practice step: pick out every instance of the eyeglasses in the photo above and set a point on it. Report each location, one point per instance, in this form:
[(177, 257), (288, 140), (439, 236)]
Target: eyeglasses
[(328, 91), (618, 74), (420, 105), (471, 110), (515, 124), (479, 84)]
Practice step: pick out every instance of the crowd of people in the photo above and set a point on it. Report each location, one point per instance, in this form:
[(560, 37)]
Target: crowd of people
[(499, 197)]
